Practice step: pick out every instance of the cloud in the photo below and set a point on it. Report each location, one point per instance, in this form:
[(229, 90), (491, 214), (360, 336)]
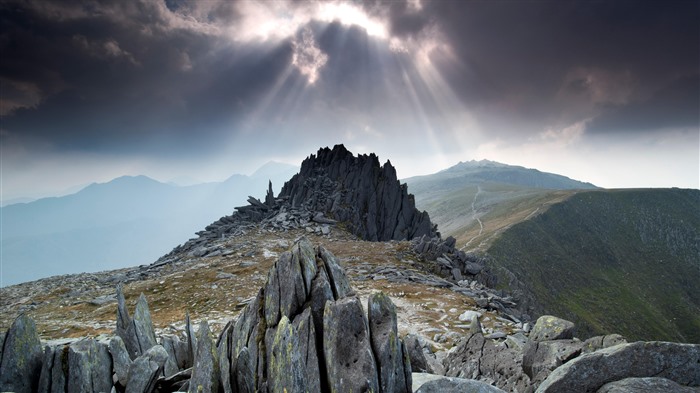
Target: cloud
[(676, 106), (306, 55)]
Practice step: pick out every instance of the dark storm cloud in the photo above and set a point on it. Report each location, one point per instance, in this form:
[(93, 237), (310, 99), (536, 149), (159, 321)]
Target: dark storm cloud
[(523, 57), (674, 106), (125, 76)]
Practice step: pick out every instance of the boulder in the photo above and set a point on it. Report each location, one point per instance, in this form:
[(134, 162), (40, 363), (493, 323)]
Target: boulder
[(89, 367), (415, 353), (21, 357), (548, 327), (121, 359), (646, 385), (456, 385), (599, 342), (350, 364), (145, 370), (386, 345), (205, 372), (286, 372), (306, 332), (476, 357), (541, 358), (588, 373)]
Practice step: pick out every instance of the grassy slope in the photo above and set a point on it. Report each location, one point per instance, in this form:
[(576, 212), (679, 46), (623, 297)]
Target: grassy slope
[(625, 261), (498, 206)]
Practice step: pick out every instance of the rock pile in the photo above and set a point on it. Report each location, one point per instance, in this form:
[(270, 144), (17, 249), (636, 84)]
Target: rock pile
[(360, 192), (552, 360), (305, 331)]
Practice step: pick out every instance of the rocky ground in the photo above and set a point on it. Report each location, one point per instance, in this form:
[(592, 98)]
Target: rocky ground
[(218, 285)]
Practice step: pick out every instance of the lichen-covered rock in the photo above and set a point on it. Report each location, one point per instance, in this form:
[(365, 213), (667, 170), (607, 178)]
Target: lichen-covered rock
[(549, 327), (205, 372), (21, 357), (89, 367), (286, 372), (46, 367), (386, 345), (350, 364), (244, 372), (588, 373), (456, 385), (306, 332), (646, 385)]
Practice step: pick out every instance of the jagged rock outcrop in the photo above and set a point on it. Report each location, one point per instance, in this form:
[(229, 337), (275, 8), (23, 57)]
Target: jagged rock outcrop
[(306, 330), (457, 385), (358, 191)]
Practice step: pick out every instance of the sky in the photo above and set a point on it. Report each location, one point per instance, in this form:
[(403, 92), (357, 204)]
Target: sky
[(601, 91)]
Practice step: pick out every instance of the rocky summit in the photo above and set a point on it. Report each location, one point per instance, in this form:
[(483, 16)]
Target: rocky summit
[(359, 192), (290, 294)]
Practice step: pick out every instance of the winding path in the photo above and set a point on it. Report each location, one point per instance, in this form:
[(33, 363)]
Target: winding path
[(481, 225)]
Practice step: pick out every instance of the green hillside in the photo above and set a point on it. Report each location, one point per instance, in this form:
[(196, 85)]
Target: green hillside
[(624, 261)]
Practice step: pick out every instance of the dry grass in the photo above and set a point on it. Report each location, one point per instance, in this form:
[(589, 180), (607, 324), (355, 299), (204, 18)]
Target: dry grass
[(60, 310)]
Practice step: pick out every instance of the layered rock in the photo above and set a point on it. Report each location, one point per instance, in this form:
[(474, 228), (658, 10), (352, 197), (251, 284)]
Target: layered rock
[(358, 191), (306, 331), (20, 357)]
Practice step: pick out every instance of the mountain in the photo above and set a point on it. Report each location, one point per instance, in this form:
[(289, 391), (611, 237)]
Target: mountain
[(610, 260), (627, 260), (476, 200), (278, 287), (128, 221)]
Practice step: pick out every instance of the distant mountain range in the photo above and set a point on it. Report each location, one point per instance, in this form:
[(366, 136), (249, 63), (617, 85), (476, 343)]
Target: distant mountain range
[(128, 221), (622, 260)]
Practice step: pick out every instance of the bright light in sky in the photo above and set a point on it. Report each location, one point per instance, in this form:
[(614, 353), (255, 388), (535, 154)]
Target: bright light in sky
[(206, 89)]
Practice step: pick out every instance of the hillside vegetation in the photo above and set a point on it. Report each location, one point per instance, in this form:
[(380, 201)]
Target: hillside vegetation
[(475, 201), (618, 260)]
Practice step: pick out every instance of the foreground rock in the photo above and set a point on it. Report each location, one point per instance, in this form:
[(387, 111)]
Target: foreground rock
[(314, 331), (21, 357), (457, 385), (588, 373)]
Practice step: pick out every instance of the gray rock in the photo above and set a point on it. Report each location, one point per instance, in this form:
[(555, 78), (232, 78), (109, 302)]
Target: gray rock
[(456, 385), (516, 341), (306, 332), (468, 315), (336, 276), (415, 352), (599, 342), (350, 364), (145, 370), (588, 373), (143, 327), (21, 357), (385, 343), (223, 350), (543, 357), (205, 372), (646, 385), (285, 368), (176, 354), (245, 372), (121, 359), (473, 268), (548, 327), (89, 367), (224, 275), (478, 358), (292, 290), (46, 369)]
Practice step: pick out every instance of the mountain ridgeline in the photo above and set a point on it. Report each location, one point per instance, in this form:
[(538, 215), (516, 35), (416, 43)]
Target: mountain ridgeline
[(622, 260)]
